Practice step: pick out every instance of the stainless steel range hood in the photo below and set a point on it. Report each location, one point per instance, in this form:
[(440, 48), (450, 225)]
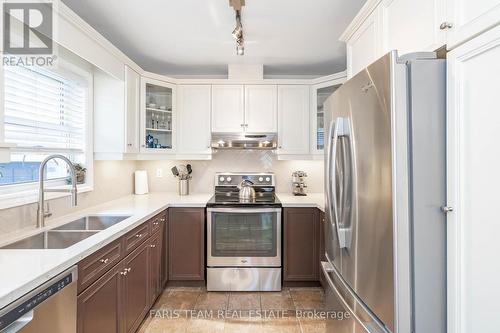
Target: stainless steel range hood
[(261, 141)]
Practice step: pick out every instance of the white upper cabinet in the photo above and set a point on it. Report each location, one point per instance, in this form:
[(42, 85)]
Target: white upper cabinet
[(110, 117), (261, 108), (473, 163), (158, 116), (237, 108), (468, 18), (293, 119), (319, 94), (228, 108), (132, 95), (363, 44), (193, 108), (412, 26)]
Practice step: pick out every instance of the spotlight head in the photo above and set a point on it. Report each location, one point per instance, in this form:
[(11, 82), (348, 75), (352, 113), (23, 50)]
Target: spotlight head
[(240, 49)]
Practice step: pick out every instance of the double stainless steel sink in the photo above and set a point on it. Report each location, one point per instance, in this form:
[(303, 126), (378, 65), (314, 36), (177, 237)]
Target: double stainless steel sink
[(68, 234)]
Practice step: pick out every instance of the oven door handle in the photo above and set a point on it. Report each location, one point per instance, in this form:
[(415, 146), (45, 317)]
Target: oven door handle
[(243, 210)]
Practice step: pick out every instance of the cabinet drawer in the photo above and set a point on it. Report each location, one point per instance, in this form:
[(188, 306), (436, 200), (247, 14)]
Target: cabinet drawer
[(98, 263), (156, 222), (136, 237)]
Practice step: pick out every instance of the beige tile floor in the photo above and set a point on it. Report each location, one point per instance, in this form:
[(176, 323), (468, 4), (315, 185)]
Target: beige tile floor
[(196, 310)]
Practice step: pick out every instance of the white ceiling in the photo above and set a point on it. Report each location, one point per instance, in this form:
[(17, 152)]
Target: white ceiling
[(193, 37)]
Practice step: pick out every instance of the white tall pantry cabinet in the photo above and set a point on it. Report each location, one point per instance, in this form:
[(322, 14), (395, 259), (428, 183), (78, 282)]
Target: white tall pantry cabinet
[(473, 185)]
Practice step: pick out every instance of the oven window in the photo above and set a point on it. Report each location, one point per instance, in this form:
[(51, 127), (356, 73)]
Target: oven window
[(244, 234)]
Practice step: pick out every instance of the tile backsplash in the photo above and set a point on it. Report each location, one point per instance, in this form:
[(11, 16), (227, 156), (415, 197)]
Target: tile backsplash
[(114, 179), (234, 161)]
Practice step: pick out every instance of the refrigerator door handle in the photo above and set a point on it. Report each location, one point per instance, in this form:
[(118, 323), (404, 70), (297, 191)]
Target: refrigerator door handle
[(329, 210), (347, 186), (338, 129), (331, 197)]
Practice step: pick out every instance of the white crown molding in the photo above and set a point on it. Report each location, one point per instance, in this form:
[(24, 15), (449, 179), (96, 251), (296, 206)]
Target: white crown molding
[(160, 77), (362, 15), (200, 76), (341, 76)]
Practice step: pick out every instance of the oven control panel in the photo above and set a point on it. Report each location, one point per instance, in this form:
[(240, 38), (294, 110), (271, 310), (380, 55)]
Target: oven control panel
[(234, 179)]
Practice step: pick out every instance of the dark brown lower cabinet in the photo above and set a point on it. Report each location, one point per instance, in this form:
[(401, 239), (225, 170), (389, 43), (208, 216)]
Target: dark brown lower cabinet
[(136, 280), (118, 301), (99, 306), (186, 244), (301, 242)]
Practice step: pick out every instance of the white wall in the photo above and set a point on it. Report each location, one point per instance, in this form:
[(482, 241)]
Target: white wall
[(224, 161), (112, 179)]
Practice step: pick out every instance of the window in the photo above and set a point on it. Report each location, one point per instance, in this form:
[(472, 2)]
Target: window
[(45, 114)]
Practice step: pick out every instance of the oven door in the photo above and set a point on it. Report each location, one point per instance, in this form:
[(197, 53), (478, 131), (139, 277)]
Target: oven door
[(244, 237)]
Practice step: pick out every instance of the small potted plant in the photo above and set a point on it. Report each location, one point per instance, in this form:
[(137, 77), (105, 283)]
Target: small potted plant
[(80, 174)]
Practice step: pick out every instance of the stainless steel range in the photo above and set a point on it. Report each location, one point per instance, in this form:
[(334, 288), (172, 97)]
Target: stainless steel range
[(244, 234)]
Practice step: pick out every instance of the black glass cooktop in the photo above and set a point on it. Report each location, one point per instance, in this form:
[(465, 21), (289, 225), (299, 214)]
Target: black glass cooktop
[(231, 199)]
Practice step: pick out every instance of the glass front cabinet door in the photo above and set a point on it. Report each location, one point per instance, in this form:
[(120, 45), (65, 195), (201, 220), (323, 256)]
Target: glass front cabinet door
[(320, 92), (158, 114)]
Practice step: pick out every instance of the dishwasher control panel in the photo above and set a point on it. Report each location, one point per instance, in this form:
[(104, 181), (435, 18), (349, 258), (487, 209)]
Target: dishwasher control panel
[(14, 311)]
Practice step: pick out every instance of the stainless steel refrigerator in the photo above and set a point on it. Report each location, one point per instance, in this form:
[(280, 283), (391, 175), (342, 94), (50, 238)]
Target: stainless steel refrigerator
[(385, 185)]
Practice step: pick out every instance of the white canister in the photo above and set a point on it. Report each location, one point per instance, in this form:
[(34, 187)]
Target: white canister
[(141, 182)]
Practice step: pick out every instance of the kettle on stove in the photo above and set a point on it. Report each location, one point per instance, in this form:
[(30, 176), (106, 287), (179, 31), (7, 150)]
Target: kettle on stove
[(247, 192)]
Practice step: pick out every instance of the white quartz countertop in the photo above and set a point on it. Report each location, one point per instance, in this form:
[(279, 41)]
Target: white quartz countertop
[(24, 270), (310, 200)]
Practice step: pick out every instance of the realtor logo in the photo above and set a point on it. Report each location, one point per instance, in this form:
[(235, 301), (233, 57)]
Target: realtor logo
[(28, 33), (37, 28)]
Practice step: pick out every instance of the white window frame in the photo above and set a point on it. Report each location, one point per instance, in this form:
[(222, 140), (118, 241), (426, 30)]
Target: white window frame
[(26, 193)]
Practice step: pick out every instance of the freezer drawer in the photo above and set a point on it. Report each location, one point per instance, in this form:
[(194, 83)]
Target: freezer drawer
[(340, 298)]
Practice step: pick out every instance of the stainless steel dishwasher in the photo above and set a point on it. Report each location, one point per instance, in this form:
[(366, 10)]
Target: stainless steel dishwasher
[(49, 308)]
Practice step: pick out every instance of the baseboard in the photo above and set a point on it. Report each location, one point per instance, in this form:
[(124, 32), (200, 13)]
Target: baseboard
[(185, 283), (301, 284)]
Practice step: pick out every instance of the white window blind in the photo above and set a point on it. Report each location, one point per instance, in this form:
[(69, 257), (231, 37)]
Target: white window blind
[(44, 110)]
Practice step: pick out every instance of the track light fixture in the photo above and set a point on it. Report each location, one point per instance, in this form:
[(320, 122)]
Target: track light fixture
[(238, 35), (238, 30)]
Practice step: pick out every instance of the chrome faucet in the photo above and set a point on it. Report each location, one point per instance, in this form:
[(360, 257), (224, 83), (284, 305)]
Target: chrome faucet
[(41, 214)]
